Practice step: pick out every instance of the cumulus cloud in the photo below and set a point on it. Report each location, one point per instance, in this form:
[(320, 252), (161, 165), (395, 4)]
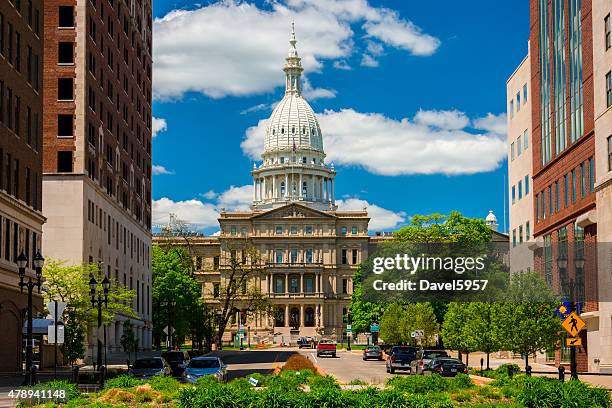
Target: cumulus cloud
[(434, 142), (159, 125), (368, 61), (157, 170), (380, 218), (236, 198), (496, 124), (236, 48), (342, 65)]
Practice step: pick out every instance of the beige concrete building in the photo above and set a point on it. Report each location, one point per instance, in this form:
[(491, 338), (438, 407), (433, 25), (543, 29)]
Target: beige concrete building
[(520, 196), (97, 147), (602, 78)]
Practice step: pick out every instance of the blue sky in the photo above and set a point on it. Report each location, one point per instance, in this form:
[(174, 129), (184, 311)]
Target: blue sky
[(419, 86)]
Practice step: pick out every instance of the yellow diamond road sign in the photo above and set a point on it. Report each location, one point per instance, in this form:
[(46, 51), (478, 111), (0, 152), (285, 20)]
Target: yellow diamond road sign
[(573, 341), (573, 324)]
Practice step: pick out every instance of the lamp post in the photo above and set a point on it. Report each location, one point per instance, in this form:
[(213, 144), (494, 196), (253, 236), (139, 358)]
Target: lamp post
[(169, 304), (570, 284), (102, 298), (22, 262), (348, 332)]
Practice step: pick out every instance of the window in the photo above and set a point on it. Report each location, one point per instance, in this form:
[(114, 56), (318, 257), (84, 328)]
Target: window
[(279, 285), (354, 257), (583, 185), (511, 109), (609, 153), (525, 140), (525, 94), (565, 190), (512, 151), (279, 256), (1, 33), (343, 231), (279, 230), (344, 257), (514, 237), (538, 207), (591, 175), (609, 89), (65, 125), (519, 145), (573, 186), (527, 231), (551, 209), (65, 89), (520, 189), (309, 255), (216, 290), (65, 53), (518, 101), (607, 29), (293, 230), (66, 16), (526, 184), (520, 234), (233, 231), (345, 286), (548, 259), (308, 229), (513, 194), (558, 197), (64, 162), (354, 230), (293, 255)]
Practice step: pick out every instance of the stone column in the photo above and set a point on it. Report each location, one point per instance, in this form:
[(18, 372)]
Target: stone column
[(286, 315), (265, 193), (302, 282), (324, 189), (274, 192), (322, 322), (270, 283), (286, 283), (301, 315), (333, 199), (300, 191), (317, 282), (254, 189), (286, 185)]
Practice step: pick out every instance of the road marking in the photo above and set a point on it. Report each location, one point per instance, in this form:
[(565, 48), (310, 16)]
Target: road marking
[(314, 358)]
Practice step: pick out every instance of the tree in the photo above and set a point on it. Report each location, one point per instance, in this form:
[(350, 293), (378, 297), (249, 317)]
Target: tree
[(172, 281), (363, 313), (128, 340), (454, 333), (484, 327), (391, 330), (528, 321), (420, 316), (74, 339)]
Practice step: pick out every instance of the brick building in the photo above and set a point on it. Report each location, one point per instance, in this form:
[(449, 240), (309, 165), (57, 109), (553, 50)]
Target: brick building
[(563, 139), (97, 145), (20, 165)]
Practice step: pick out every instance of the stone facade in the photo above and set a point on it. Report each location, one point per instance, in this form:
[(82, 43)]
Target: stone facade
[(21, 219)]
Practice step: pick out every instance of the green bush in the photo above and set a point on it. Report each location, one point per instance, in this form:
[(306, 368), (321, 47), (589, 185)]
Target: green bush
[(419, 384), (536, 392), (123, 381), (164, 384), (461, 381), (71, 392), (319, 382)]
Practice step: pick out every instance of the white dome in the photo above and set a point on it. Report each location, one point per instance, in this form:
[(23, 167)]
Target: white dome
[(491, 217), (293, 122)]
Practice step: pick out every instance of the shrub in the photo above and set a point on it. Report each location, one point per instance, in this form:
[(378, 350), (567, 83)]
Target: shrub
[(164, 384), (123, 381), (462, 396), (461, 381), (419, 384), (318, 382), (535, 392), (298, 362), (71, 392)]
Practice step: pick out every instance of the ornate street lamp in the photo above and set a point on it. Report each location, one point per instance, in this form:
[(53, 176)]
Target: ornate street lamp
[(99, 300), (22, 263)]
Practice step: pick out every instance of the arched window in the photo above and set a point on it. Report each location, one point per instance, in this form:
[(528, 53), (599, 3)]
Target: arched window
[(282, 188), (273, 131), (283, 130), (303, 129), (293, 129), (304, 188)]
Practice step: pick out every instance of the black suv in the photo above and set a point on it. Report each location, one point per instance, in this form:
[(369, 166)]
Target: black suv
[(400, 358), (178, 361)]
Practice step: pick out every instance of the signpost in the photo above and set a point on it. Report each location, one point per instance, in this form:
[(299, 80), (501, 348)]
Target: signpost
[(55, 334), (573, 324), (573, 341), (374, 329)]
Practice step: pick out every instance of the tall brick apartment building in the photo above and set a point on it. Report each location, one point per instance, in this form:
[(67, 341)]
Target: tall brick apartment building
[(20, 164), (97, 145), (563, 135)]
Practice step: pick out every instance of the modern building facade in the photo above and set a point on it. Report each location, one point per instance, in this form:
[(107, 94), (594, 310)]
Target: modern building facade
[(520, 196), (97, 145), (563, 140), (21, 220), (602, 80)]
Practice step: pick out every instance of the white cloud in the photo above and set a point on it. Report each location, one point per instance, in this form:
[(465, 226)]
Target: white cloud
[(342, 65), (380, 218), (450, 120), (236, 198), (368, 61), (157, 170), (433, 144), (159, 125), (316, 93), (256, 108), (496, 124), (236, 48), (209, 195)]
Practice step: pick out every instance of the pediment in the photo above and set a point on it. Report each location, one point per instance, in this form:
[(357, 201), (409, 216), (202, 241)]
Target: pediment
[(294, 211)]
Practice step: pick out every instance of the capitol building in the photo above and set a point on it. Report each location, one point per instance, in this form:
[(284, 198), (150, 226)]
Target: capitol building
[(308, 250)]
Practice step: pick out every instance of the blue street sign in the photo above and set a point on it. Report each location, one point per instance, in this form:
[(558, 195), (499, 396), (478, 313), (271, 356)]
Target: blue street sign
[(374, 328)]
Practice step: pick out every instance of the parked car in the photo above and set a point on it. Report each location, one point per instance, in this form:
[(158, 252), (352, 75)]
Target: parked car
[(178, 360), (400, 358), (202, 366), (326, 348), (446, 367), (423, 360), (372, 352), (145, 368)]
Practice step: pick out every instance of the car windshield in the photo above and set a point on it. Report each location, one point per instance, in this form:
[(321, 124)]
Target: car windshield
[(148, 363), (403, 350), (173, 356), (207, 363), (434, 354), (374, 348)]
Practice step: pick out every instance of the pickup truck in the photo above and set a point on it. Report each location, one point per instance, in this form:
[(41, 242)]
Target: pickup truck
[(326, 348)]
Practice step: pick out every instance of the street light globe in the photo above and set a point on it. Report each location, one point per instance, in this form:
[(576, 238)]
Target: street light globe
[(38, 260), (92, 285), (22, 260), (106, 285)]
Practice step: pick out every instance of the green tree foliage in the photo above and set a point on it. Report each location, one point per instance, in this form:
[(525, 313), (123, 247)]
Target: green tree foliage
[(437, 228), (484, 326), (391, 330), (172, 281), (454, 329), (128, 340), (363, 313), (74, 339), (420, 316)]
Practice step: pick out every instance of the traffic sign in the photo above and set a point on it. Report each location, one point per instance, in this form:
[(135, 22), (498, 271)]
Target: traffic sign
[(374, 328), (349, 328), (51, 334), (61, 306), (573, 324), (573, 341)]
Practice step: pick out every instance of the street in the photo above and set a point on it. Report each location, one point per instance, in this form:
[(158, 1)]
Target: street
[(349, 366), (244, 363)]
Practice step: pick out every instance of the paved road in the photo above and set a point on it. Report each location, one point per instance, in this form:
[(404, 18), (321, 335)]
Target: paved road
[(244, 363), (349, 366)]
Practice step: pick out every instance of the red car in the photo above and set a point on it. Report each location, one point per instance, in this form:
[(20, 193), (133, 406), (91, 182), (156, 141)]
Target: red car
[(326, 348)]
